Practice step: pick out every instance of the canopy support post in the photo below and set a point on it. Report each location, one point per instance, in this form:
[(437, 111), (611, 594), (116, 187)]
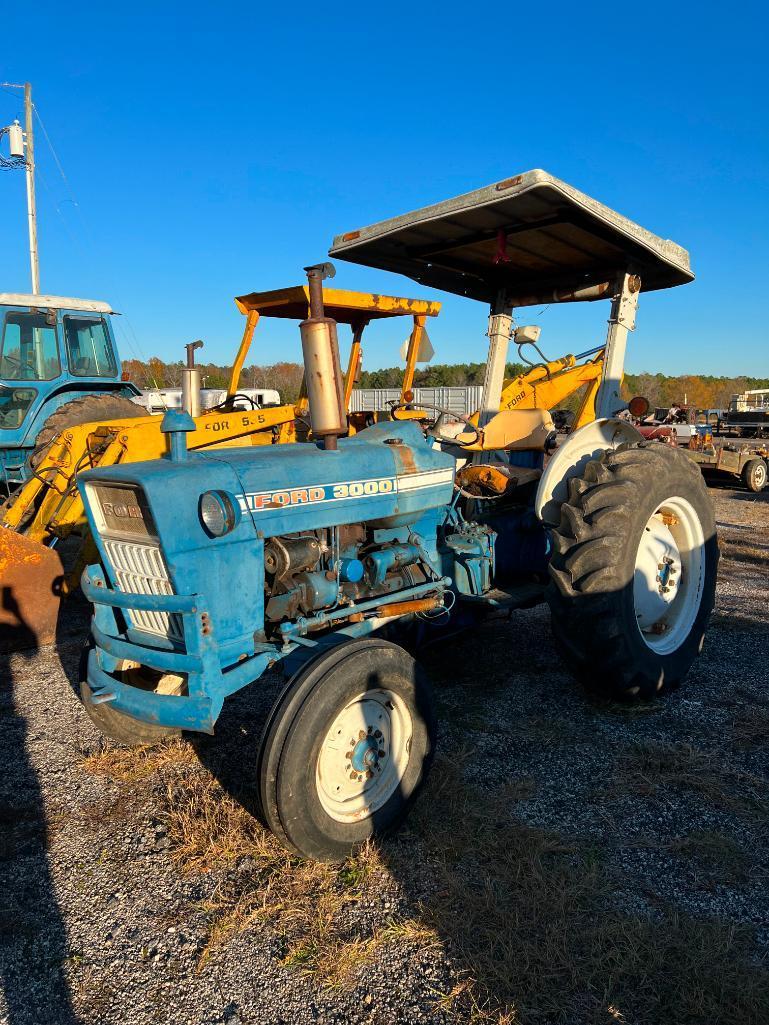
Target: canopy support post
[(621, 320), (500, 326)]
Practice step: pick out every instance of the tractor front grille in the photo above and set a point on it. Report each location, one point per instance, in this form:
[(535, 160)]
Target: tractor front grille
[(139, 567)]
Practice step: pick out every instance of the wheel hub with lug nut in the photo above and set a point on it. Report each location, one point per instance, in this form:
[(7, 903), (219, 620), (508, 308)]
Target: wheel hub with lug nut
[(363, 756), (366, 754), (668, 574)]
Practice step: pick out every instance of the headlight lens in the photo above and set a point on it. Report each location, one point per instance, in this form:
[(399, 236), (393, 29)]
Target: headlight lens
[(218, 513)]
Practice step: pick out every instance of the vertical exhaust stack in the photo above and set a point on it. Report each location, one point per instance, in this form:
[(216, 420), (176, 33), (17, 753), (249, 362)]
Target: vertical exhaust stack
[(322, 368), (191, 381)]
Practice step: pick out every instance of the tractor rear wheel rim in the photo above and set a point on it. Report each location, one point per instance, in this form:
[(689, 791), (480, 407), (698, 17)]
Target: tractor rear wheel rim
[(669, 575), (363, 756)]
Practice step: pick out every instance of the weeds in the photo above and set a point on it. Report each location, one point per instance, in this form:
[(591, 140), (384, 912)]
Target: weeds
[(751, 727), (131, 765), (527, 919), (650, 769)]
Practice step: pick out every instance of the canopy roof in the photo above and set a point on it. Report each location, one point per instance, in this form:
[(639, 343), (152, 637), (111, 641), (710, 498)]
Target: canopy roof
[(530, 235), (345, 307), (54, 302)]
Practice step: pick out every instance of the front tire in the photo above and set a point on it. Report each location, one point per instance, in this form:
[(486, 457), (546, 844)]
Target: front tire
[(346, 748), (754, 475), (633, 571)]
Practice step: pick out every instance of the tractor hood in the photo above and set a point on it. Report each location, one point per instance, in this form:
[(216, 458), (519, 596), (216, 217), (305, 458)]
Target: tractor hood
[(529, 236), (146, 519)]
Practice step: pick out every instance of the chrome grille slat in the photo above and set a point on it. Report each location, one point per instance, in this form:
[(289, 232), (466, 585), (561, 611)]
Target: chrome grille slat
[(140, 568)]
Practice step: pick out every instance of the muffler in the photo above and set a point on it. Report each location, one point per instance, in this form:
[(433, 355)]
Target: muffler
[(322, 367)]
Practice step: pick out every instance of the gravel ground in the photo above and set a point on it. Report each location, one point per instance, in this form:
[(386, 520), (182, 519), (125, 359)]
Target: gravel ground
[(100, 920)]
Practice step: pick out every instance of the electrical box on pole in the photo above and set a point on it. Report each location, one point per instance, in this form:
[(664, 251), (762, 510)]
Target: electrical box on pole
[(16, 139)]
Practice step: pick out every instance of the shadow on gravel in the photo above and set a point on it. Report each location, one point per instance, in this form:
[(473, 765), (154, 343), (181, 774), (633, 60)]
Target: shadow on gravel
[(536, 926), (751, 496), (33, 942)]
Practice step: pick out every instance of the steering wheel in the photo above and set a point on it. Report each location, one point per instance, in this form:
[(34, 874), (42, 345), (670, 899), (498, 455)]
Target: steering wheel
[(17, 367), (434, 429)]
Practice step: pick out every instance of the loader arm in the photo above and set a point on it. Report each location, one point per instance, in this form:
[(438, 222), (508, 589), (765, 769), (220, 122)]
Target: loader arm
[(546, 385), (48, 507)]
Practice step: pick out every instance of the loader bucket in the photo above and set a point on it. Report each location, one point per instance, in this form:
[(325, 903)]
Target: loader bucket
[(31, 577)]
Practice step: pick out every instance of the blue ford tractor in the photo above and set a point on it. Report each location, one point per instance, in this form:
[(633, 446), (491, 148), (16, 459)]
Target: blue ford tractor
[(322, 557), (58, 367)]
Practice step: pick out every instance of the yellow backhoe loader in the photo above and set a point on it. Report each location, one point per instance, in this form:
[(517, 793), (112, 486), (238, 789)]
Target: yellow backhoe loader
[(48, 509)]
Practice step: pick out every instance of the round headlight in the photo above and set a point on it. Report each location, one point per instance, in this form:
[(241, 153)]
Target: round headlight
[(218, 513)]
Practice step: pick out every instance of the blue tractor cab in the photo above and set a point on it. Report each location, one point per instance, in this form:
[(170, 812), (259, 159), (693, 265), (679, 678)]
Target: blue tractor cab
[(54, 352)]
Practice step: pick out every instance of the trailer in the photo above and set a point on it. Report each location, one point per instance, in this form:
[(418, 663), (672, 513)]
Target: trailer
[(748, 413), (746, 463)]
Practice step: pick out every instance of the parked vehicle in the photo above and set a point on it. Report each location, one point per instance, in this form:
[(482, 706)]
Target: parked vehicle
[(749, 413), (722, 460), (59, 366), (214, 567), (159, 400)]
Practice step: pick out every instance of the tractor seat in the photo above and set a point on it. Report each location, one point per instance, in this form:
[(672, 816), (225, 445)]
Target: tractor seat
[(513, 430)]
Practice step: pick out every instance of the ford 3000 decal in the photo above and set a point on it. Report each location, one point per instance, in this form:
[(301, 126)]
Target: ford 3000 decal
[(263, 500)]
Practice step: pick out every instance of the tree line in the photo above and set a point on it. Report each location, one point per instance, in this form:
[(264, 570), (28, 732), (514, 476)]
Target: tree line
[(700, 390)]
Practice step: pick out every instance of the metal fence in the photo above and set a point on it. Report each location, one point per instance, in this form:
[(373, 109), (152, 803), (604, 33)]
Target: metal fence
[(465, 399)]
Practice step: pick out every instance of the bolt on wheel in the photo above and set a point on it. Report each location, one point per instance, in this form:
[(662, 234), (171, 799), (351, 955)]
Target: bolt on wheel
[(364, 755), (346, 748), (669, 574), (633, 570)]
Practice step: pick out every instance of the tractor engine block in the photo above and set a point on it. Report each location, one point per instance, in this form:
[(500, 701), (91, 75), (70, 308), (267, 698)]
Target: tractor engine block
[(307, 572)]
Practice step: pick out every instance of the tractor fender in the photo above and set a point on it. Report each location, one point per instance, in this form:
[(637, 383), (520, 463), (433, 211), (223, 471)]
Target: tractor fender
[(570, 459)]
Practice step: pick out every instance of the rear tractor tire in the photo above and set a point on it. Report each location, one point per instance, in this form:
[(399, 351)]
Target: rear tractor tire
[(100, 408), (754, 475), (346, 748), (633, 571)]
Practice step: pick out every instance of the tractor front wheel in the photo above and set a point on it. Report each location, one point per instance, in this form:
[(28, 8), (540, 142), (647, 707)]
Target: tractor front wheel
[(633, 571), (346, 748)]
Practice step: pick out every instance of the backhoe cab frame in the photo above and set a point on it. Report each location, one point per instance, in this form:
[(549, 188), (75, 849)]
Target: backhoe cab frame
[(356, 309)]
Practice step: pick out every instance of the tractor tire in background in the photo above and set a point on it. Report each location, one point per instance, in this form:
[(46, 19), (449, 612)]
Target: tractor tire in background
[(99, 408), (633, 571), (754, 475), (115, 724)]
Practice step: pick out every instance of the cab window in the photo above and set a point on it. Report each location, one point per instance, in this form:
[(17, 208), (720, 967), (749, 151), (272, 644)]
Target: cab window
[(88, 348), (30, 350)]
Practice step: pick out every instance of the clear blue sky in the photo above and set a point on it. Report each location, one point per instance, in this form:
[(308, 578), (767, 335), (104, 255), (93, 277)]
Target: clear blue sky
[(215, 149)]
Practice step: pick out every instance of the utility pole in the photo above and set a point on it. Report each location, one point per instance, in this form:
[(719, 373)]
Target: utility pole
[(31, 208)]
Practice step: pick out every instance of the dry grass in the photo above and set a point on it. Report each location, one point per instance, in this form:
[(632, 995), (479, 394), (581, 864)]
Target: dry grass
[(307, 903), (649, 770), (528, 920), (532, 920), (716, 854), (132, 765), (751, 727)]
